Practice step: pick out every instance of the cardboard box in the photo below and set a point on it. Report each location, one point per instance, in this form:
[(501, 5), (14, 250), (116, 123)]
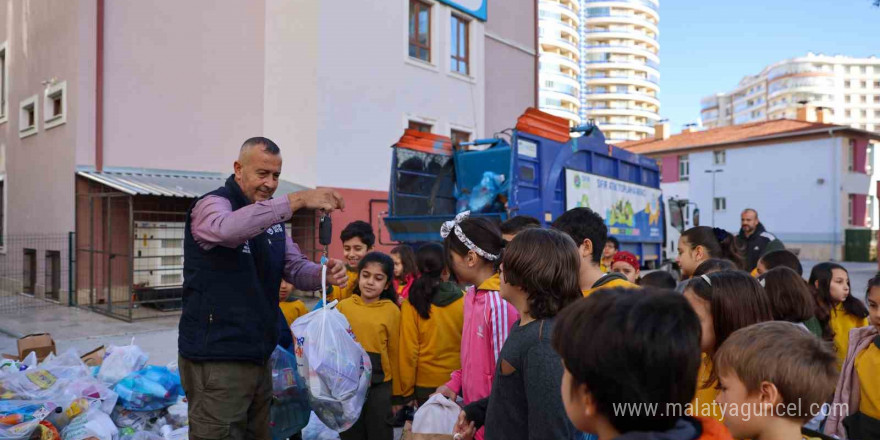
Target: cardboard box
[(40, 343), (95, 357)]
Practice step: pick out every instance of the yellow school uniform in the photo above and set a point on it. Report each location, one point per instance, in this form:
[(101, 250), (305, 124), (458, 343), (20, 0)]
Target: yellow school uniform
[(841, 323), (377, 328), (345, 292), (292, 310), (706, 396), (609, 285), (868, 368), (430, 349)]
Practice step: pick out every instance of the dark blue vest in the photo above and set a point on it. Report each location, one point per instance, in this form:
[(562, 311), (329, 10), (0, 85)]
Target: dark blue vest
[(230, 296)]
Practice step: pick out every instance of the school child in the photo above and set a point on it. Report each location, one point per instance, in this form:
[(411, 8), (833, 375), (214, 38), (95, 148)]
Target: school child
[(838, 312), (431, 322), (698, 244), (660, 279), (292, 308), (357, 240), (725, 302), (632, 351), (375, 320), (590, 234), (515, 225), (713, 265), (473, 250), (626, 264), (612, 247), (539, 275), (790, 298), (772, 378), (780, 258), (405, 270), (859, 385)]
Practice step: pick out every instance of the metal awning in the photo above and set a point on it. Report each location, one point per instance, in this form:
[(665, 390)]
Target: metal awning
[(165, 183)]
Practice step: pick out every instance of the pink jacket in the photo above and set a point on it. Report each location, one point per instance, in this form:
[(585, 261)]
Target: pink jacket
[(487, 322), (846, 396)]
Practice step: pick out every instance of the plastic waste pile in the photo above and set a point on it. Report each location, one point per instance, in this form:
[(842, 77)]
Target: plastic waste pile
[(63, 399)]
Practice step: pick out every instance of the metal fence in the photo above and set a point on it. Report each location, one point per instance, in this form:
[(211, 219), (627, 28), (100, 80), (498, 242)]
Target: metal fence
[(35, 272)]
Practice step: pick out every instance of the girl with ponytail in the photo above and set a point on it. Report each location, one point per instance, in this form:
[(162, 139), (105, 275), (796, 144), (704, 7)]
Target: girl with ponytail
[(431, 324), (702, 243)]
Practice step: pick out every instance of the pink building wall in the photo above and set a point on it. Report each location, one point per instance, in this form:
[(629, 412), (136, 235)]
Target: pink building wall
[(861, 155), (670, 169), (859, 209)]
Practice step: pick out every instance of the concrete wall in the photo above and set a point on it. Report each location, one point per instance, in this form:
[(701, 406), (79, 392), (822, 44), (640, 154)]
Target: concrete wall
[(510, 62), (368, 89), (183, 82)]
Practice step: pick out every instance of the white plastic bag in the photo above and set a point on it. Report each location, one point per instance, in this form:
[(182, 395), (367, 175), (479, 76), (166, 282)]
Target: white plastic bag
[(18, 418), (317, 430), (120, 362), (335, 366), (45, 381), (437, 416), (93, 424)]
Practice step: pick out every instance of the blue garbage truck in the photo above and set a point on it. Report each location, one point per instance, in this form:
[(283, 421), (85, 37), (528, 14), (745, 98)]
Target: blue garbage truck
[(541, 169)]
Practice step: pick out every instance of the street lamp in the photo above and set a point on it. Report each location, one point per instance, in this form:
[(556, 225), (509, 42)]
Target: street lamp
[(714, 208)]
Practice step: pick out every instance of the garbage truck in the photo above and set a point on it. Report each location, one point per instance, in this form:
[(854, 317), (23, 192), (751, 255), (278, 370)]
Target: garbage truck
[(541, 168)]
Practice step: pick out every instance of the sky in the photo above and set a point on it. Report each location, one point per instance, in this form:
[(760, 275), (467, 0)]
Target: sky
[(708, 46)]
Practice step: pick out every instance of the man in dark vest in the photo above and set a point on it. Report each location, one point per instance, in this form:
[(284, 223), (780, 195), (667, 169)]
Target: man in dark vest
[(236, 251), (756, 239)]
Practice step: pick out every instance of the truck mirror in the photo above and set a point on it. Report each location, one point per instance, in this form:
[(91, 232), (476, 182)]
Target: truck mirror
[(697, 217)]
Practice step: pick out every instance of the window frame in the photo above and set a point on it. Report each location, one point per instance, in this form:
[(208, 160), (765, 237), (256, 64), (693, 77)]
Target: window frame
[(849, 211), (719, 204), (25, 131), (851, 156), (29, 271), (413, 39), (4, 83), (51, 120), (684, 164), (454, 131), (52, 272), (418, 125), (457, 21), (719, 153)]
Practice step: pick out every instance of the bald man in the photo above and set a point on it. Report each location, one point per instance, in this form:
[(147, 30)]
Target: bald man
[(756, 239), (236, 252)]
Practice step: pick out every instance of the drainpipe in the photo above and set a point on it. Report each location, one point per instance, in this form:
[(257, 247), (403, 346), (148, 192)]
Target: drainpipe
[(537, 53), (99, 90), (836, 188)]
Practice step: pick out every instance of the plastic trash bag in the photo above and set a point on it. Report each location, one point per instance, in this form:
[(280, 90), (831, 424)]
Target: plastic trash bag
[(290, 397), (149, 389), (92, 425), (119, 362), (45, 381), (317, 430), (137, 420), (18, 418), (141, 435), (484, 196), (336, 368), (178, 414), (437, 416)]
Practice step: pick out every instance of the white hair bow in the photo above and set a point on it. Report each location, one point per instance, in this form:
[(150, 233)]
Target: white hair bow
[(453, 226)]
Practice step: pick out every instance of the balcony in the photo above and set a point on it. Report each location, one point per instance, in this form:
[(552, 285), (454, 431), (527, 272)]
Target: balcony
[(614, 126), (562, 113), (625, 111), (623, 18), (560, 99), (629, 96), (643, 82), (552, 26), (632, 68), (559, 42), (553, 9), (623, 35), (646, 3), (627, 49), (551, 59)]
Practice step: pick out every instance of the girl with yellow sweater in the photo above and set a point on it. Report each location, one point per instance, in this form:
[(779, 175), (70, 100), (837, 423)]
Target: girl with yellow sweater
[(431, 323), (375, 320), (837, 310)]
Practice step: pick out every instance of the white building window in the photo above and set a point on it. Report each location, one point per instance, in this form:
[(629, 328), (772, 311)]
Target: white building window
[(720, 203), (720, 157), (27, 116), (869, 212), (459, 33), (4, 84), (869, 166), (420, 30), (849, 209), (684, 168), (851, 156), (55, 105)]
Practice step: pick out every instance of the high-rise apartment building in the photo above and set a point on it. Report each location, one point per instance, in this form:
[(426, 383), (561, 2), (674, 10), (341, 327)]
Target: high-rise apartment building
[(610, 49), (847, 88)]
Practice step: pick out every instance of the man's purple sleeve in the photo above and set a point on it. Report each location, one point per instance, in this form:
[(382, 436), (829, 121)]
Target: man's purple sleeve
[(214, 223)]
